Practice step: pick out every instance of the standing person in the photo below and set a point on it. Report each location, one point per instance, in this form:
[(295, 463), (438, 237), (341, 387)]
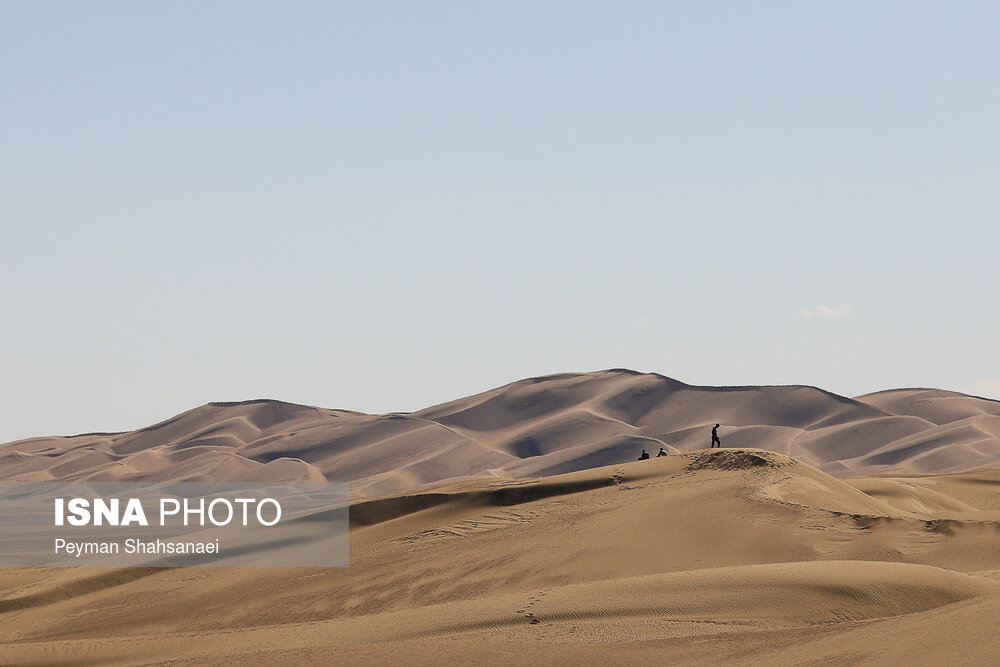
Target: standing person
[(715, 437)]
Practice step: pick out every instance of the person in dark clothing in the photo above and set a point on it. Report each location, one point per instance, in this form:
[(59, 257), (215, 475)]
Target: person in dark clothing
[(662, 453), (644, 455), (715, 437)]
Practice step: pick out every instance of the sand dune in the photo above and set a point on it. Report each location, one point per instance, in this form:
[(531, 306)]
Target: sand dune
[(540, 426), (517, 523), (739, 555)]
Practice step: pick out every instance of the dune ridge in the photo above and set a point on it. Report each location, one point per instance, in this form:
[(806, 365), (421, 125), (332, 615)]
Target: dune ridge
[(539, 426)]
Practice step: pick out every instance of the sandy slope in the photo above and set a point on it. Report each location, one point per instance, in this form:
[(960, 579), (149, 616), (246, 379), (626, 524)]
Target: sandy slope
[(742, 555), (540, 426)]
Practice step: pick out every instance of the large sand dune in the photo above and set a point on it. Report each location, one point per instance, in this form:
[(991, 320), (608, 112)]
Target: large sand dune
[(540, 426), (516, 525), (742, 556)]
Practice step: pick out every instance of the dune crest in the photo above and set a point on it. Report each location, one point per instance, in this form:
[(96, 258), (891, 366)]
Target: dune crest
[(538, 426)]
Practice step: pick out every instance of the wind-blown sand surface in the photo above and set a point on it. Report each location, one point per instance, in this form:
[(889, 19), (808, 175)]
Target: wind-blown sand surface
[(739, 555)]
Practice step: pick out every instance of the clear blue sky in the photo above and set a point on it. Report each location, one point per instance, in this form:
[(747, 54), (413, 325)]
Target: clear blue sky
[(380, 206)]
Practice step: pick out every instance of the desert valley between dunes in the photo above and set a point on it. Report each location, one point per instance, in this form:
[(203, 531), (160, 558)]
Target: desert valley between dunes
[(517, 525)]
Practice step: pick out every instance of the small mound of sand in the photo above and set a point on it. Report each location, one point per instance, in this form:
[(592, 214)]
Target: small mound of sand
[(734, 459)]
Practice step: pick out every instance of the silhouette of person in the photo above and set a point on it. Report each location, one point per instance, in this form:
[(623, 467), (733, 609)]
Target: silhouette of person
[(662, 453), (644, 455), (715, 437)]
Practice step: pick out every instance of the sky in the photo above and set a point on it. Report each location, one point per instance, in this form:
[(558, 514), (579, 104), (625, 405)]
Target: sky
[(382, 206)]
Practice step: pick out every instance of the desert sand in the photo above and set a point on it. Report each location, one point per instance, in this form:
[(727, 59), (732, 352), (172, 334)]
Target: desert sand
[(518, 526)]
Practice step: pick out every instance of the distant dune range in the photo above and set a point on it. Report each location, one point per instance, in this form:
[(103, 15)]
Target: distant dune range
[(539, 426)]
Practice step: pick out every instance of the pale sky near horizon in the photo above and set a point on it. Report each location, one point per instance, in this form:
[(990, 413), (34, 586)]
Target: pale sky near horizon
[(382, 206)]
